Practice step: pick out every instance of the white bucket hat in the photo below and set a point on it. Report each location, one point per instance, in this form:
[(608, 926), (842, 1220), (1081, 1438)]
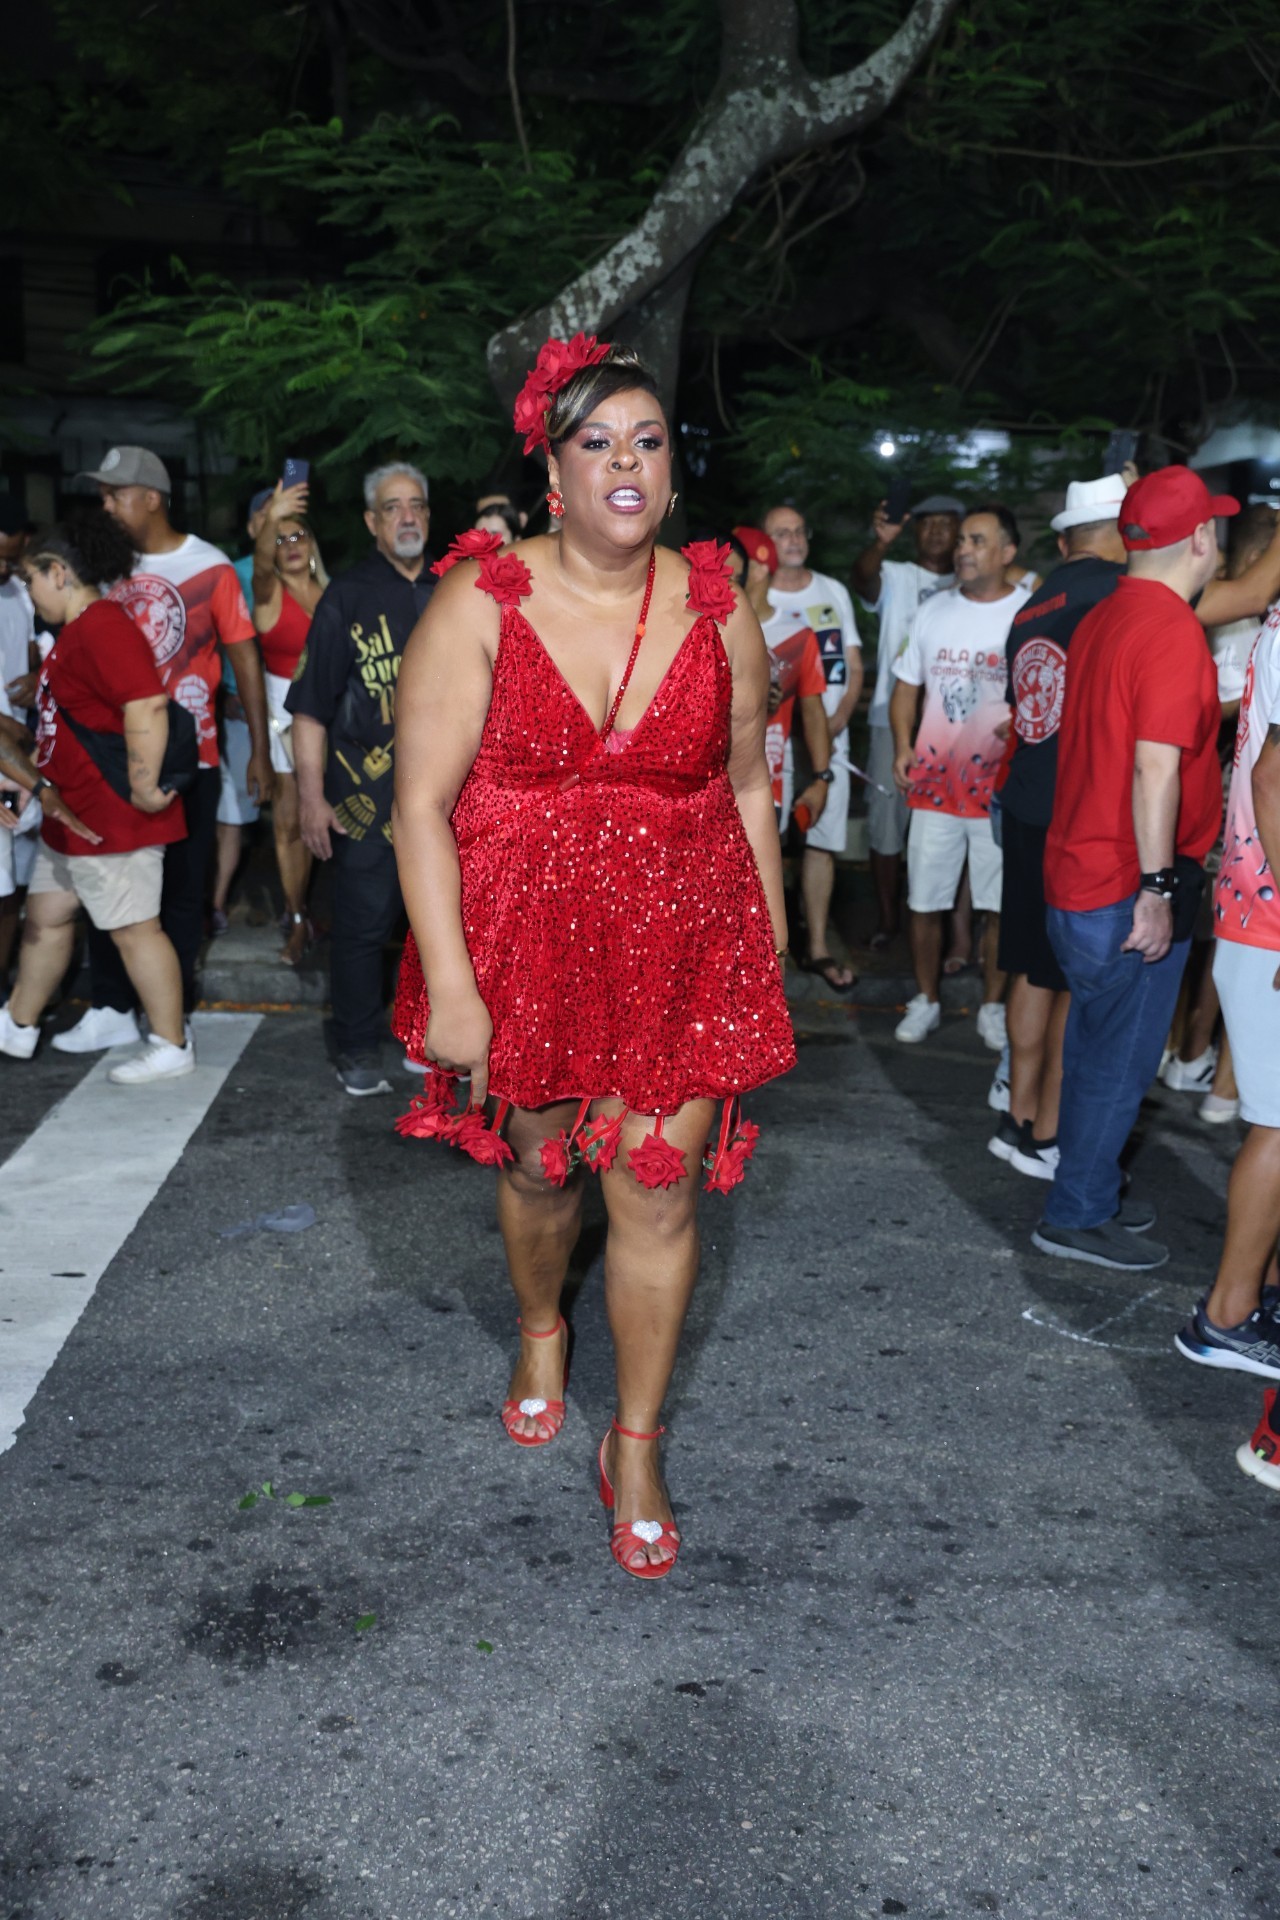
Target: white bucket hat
[(1091, 500)]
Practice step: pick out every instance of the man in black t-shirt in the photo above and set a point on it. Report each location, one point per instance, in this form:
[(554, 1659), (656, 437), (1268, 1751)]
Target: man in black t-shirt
[(1093, 560), (343, 700)]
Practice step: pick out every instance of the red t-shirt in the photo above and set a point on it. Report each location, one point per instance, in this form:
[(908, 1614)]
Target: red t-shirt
[(98, 663), (1139, 669), (186, 603), (282, 644)]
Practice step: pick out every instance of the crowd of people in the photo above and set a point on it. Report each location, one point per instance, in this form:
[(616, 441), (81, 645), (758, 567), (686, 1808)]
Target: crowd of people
[(1049, 754)]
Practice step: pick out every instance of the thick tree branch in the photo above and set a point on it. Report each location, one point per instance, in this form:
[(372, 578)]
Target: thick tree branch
[(745, 128)]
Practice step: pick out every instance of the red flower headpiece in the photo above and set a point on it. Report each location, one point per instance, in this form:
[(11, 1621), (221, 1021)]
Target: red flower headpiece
[(557, 363)]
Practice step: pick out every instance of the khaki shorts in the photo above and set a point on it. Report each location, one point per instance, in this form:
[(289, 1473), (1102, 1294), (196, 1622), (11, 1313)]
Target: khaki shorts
[(115, 889)]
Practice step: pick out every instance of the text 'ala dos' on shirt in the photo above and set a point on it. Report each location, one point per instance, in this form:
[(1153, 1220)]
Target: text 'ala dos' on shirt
[(1140, 669), (904, 588), (956, 652), (1036, 653), (1246, 894), (825, 608), (186, 604), (346, 679)]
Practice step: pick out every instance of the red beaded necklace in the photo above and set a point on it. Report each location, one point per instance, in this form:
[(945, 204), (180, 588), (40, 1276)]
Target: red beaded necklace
[(607, 728)]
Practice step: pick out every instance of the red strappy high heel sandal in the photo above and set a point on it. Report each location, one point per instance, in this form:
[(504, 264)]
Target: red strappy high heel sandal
[(628, 1534), (549, 1414)]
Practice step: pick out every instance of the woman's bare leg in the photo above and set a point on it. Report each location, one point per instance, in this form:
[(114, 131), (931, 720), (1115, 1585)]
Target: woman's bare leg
[(1028, 1025), (1045, 1125), (540, 1225), (152, 966), (651, 1263), (292, 860), (45, 953)]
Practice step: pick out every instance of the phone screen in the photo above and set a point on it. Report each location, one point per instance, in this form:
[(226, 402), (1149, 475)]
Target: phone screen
[(295, 472), (898, 501)]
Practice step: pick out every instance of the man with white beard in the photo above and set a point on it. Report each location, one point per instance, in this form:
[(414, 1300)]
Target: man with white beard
[(343, 706)]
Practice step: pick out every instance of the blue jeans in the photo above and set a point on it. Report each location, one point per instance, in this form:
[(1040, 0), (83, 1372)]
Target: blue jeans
[(1121, 1008)]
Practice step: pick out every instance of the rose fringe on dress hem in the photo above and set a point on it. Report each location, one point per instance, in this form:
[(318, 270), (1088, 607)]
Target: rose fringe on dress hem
[(654, 1163)]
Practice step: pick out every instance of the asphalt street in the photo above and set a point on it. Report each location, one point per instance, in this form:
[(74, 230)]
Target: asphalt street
[(972, 1615)]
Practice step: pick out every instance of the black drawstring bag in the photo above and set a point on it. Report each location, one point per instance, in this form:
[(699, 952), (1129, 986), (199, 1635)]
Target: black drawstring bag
[(109, 755)]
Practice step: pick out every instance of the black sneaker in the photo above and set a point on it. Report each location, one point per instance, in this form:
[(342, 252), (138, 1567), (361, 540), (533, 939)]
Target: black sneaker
[(1109, 1245), (1136, 1216), (1006, 1139), (1252, 1347), (361, 1074)]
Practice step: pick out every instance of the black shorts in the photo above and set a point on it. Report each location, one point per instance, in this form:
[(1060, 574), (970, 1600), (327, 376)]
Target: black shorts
[(1024, 936)]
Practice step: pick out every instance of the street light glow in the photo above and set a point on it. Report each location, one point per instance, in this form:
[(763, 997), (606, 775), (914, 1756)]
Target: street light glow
[(888, 448)]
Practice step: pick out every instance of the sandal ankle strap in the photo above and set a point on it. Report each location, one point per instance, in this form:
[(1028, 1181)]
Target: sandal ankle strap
[(628, 1434), (550, 1333)]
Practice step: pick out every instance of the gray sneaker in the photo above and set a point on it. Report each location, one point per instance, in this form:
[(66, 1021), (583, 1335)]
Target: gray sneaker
[(361, 1074), (1109, 1245), (1137, 1215)]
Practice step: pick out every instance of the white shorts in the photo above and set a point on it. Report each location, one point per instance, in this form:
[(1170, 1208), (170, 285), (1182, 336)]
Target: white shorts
[(886, 812), (1251, 1009), (279, 721), (115, 889), (937, 848), (235, 807), (830, 831)]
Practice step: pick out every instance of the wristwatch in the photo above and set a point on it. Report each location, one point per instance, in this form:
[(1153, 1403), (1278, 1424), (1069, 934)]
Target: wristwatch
[(40, 785), (1162, 882), (826, 776)]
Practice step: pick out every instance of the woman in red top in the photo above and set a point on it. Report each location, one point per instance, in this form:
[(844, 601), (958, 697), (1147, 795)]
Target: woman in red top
[(586, 842), (288, 580), (102, 674)]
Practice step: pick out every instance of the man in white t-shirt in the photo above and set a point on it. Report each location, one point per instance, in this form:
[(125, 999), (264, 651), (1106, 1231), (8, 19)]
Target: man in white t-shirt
[(955, 652), (816, 601), (893, 589)]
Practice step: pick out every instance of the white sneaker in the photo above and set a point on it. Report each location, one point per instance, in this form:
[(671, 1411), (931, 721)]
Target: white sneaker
[(1191, 1076), (159, 1060), (923, 1016), (998, 1092), (1217, 1109), (18, 1042), (991, 1026), (101, 1027), (1041, 1162), (411, 1065)]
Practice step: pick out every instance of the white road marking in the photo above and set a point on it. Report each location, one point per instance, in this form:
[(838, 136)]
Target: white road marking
[(1087, 1338), (72, 1194)]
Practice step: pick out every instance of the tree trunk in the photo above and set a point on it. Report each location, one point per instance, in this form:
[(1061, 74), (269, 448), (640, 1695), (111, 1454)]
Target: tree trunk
[(765, 108)]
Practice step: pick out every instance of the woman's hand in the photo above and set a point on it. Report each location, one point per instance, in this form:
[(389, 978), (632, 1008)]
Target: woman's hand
[(288, 503), (459, 1033)]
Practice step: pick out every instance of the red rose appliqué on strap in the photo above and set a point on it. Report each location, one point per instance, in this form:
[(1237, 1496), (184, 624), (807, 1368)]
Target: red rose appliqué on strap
[(471, 545), (506, 577), (655, 1162), (710, 588)]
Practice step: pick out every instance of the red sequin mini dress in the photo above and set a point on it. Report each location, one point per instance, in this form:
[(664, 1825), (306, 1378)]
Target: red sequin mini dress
[(611, 905)]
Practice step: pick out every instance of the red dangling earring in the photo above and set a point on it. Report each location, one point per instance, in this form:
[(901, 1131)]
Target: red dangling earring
[(555, 503)]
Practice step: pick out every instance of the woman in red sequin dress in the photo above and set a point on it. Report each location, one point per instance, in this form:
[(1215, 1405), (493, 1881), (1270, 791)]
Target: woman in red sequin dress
[(594, 886)]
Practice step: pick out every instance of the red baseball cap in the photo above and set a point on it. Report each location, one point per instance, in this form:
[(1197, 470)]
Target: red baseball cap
[(1167, 505), (758, 545)]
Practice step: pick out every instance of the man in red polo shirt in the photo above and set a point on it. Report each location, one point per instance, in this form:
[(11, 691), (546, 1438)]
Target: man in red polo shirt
[(1137, 808)]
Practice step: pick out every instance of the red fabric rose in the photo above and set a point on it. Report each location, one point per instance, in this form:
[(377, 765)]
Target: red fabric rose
[(556, 365), (599, 1141), (471, 545), (655, 1162), (710, 589), (506, 577), (557, 1157), (485, 1145), (425, 1122)]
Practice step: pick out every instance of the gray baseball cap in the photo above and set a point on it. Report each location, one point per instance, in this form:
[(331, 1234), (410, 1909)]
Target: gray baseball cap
[(131, 467), (938, 503)]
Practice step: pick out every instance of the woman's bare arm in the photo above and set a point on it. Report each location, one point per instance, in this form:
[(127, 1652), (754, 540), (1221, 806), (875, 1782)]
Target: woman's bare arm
[(748, 772), (442, 702)]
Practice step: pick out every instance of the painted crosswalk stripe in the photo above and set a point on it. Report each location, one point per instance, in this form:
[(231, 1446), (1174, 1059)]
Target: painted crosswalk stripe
[(72, 1194)]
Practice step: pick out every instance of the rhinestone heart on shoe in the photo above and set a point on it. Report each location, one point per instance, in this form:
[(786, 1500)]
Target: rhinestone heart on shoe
[(548, 1415)]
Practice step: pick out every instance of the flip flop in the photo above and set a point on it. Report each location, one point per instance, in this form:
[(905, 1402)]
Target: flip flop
[(826, 967), (955, 965), (879, 941)]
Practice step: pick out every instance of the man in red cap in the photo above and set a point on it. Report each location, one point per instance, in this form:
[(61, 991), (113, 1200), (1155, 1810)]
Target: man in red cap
[(1137, 808)]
